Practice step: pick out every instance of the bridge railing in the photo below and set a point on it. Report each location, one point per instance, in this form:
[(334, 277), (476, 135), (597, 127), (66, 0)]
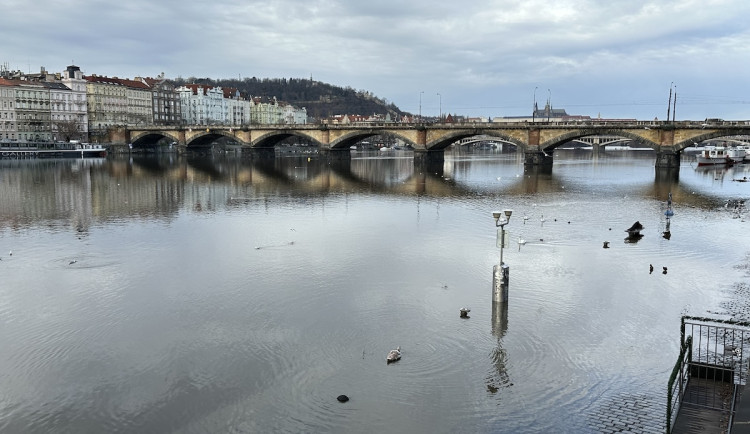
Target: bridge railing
[(624, 123)]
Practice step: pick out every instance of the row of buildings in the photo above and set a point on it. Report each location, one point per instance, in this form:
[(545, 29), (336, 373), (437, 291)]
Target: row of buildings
[(73, 106)]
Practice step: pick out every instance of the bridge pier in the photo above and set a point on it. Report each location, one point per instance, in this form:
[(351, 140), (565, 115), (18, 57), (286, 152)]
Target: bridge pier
[(667, 175), (259, 153), (667, 160), (537, 158), (429, 161)]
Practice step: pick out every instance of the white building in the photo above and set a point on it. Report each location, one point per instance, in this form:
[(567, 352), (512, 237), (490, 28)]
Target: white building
[(202, 105), (238, 109), (292, 114), (72, 78)]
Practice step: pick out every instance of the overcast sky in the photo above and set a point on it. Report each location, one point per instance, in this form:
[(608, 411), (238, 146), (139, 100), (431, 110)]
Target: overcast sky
[(614, 58)]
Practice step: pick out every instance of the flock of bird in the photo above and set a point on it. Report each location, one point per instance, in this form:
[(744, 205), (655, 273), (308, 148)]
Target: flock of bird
[(605, 245)]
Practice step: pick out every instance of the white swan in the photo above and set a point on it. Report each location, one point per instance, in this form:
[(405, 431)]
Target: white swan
[(393, 355)]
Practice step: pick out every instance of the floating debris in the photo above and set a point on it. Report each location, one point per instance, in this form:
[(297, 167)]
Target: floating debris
[(464, 312)]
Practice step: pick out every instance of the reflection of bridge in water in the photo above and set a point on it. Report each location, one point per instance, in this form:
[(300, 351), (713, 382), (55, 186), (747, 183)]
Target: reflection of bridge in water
[(84, 191), (429, 141), (397, 176)]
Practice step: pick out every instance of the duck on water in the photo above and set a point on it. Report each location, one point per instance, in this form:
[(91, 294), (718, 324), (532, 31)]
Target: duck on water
[(393, 355)]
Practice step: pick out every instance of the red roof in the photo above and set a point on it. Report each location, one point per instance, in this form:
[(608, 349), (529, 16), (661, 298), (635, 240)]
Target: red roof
[(9, 82), (116, 81)]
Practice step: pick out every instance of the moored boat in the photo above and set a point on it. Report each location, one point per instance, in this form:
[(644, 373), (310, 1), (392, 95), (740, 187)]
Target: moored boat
[(72, 149), (737, 153), (713, 155)]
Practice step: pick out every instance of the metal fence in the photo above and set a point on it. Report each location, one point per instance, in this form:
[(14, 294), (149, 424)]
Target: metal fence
[(678, 382), (713, 362)]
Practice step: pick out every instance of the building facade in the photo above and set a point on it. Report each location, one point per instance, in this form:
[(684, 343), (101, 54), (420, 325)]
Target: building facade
[(8, 127), (202, 105), (140, 103), (32, 103), (238, 109), (72, 106), (76, 107), (107, 104), (166, 106)]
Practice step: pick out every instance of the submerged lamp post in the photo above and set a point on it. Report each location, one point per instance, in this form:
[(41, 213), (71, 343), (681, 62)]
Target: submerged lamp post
[(500, 272)]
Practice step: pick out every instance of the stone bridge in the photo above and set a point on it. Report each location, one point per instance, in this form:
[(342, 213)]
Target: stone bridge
[(536, 140)]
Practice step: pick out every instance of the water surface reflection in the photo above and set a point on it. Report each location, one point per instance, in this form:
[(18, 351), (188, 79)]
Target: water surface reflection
[(228, 295)]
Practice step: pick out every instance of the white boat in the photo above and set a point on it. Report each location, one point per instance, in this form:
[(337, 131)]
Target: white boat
[(746, 149), (713, 155), (737, 153), (73, 149)]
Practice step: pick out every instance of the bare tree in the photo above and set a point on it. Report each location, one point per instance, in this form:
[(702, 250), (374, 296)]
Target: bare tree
[(67, 130)]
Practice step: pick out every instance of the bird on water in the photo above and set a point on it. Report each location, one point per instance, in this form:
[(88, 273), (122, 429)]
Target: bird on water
[(393, 355)]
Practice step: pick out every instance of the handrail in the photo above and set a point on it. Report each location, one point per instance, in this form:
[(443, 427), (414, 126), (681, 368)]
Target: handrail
[(682, 361)]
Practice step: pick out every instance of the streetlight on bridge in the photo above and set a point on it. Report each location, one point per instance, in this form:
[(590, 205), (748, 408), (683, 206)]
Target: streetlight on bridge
[(420, 105), (533, 109), (440, 99), (501, 272)]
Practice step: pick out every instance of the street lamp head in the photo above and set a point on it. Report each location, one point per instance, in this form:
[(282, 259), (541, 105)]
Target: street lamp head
[(501, 218), (507, 213)]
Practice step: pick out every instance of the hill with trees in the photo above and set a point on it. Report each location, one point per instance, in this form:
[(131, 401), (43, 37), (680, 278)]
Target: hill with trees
[(321, 100)]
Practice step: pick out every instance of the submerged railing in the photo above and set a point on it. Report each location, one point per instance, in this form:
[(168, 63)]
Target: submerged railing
[(678, 382), (713, 362)]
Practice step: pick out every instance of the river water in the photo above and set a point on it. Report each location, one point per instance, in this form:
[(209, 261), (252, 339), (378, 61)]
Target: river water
[(215, 294)]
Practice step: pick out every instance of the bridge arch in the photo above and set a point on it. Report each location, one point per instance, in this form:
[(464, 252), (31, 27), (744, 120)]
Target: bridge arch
[(144, 136), (203, 139), (709, 135), (349, 139), (448, 139), (607, 140), (271, 139), (557, 141)]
